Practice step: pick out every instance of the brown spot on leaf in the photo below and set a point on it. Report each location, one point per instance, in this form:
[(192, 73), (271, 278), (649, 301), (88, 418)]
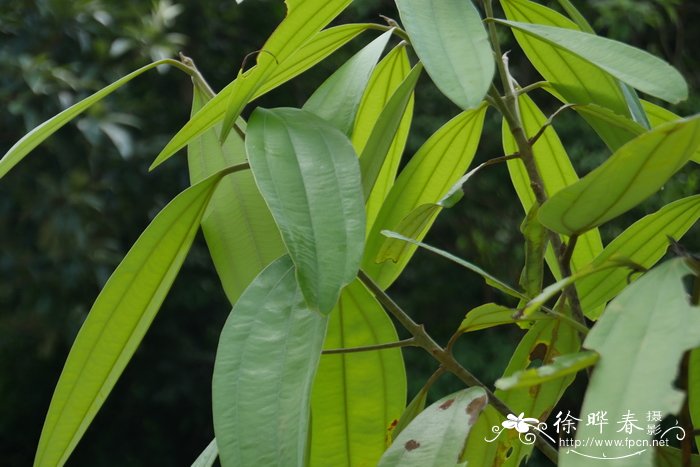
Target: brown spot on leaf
[(446, 405), (539, 352), (475, 407), (411, 445)]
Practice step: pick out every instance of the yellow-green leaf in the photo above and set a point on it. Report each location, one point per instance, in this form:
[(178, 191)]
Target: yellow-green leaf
[(356, 396), (561, 366), (658, 116), (490, 315), (636, 171)]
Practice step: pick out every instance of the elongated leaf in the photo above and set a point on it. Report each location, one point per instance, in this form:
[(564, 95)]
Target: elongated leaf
[(356, 396), (556, 171), (430, 174), (672, 457), (118, 321), (373, 157), (241, 235), (645, 242), (488, 278), (414, 408), (265, 365), (309, 175), (451, 41), (544, 341), (641, 339), (561, 366), (338, 98), (436, 436), (633, 173), (304, 19), (490, 315), (208, 456), (389, 74), (620, 129), (658, 116), (633, 66), (319, 47), (35, 137), (694, 390)]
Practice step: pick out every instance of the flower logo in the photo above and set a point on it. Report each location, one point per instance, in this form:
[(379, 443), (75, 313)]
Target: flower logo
[(520, 423)]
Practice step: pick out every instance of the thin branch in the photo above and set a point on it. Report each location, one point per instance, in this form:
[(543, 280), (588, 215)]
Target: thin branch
[(532, 87), (411, 342), (548, 123)]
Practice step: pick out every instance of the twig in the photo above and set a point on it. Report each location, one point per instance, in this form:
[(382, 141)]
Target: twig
[(548, 123)]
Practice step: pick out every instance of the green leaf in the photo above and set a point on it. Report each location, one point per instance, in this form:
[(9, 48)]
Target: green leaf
[(633, 66), (436, 436), (633, 173), (385, 80), (315, 50), (544, 341), (35, 137), (118, 320), (619, 129), (356, 396), (428, 176), (488, 278), (641, 339), (563, 365), (414, 408), (490, 315), (375, 152), (304, 19), (672, 457), (535, 245), (658, 116), (644, 243), (240, 232), (265, 365), (338, 98), (208, 456), (556, 171), (451, 41), (694, 390), (309, 175)]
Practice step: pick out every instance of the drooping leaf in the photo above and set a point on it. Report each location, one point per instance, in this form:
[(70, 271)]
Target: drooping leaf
[(546, 340), (309, 175), (118, 320), (436, 436), (304, 20), (241, 235), (641, 339), (556, 171), (319, 47), (694, 390), (644, 243), (338, 98), (356, 396), (373, 157), (264, 370), (208, 456), (633, 66), (385, 80), (633, 173), (561, 366), (428, 176), (451, 41), (35, 137), (490, 315)]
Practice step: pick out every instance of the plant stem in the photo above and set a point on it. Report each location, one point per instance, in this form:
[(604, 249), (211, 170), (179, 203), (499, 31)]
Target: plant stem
[(445, 357), (368, 348)]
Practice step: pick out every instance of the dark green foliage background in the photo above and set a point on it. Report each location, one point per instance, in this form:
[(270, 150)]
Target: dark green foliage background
[(72, 209)]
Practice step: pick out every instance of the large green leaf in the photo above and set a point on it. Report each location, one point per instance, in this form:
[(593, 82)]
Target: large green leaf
[(555, 170), (560, 367), (673, 457), (373, 157), (449, 38), (633, 66), (208, 456), (338, 98), (633, 173), (35, 137), (309, 175), (263, 374), (658, 116), (356, 396), (304, 19), (435, 438), (644, 243), (118, 320), (428, 176), (315, 50), (385, 81), (641, 339), (540, 345), (241, 235)]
